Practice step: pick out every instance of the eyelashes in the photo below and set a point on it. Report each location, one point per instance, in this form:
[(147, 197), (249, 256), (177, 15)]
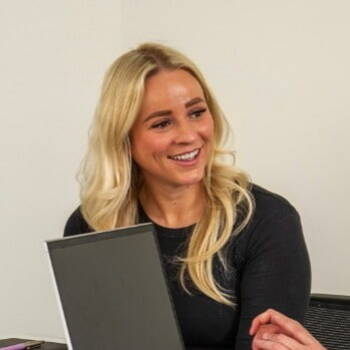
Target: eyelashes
[(198, 112), (161, 125), (168, 121)]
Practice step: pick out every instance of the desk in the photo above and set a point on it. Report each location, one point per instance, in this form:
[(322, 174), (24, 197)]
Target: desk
[(58, 346), (45, 346)]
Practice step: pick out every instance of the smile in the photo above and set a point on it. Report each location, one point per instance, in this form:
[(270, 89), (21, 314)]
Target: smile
[(186, 156)]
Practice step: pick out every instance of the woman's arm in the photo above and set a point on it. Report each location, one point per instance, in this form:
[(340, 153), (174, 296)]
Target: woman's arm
[(276, 271), (285, 334)]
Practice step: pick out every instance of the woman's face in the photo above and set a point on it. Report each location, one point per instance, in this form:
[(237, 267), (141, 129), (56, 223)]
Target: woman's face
[(172, 136)]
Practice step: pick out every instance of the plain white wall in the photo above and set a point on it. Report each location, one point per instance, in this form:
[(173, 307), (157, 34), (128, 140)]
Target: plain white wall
[(279, 68), (53, 57)]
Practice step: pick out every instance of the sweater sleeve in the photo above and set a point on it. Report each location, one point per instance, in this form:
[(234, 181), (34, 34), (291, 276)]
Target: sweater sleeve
[(275, 272)]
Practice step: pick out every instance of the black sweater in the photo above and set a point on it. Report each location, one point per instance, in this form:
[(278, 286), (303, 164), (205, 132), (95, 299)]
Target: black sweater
[(270, 268)]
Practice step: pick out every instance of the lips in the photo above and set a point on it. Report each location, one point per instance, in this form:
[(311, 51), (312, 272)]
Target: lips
[(188, 156)]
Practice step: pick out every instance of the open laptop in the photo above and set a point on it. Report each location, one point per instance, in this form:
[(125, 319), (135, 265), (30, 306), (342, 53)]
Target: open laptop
[(112, 291)]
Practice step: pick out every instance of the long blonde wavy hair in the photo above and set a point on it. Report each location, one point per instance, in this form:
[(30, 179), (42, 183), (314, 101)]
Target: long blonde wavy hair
[(110, 182)]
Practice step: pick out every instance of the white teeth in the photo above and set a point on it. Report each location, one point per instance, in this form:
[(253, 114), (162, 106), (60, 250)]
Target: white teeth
[(186, 156)]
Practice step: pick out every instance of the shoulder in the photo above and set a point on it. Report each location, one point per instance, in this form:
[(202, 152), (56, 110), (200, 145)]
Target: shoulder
[(270, 205), (274, 220), (76, 224), (274, 228)]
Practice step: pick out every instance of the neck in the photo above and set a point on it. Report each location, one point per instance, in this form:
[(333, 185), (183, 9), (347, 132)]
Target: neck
[(173, 207)]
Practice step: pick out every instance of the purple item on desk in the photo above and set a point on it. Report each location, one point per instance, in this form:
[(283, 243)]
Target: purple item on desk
[(23, 346)]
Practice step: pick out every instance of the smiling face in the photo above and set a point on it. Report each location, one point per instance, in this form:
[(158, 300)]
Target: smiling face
[(172, 137)]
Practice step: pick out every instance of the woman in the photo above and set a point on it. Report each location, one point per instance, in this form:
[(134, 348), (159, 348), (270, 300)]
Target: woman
[(230, 249)]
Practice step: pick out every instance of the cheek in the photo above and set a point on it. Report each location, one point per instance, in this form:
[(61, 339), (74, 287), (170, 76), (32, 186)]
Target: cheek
[(207, 129), (148, 145)]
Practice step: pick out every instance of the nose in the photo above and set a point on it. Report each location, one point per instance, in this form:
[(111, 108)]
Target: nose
[(185, 132)]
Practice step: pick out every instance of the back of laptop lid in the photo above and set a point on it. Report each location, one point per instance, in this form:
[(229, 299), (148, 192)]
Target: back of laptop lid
[(113, 292)]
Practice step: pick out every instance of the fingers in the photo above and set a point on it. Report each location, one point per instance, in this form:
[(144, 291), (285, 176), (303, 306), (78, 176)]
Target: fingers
[(263, 318), (276, 342), (259, 320), (292, 328), (264, 328), (261, 344), (287, 325), (267, 328)]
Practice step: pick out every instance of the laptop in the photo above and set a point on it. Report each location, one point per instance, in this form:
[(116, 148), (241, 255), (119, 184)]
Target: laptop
[(112, 291)]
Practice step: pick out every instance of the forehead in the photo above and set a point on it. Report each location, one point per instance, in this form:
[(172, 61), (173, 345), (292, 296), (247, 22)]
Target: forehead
[(170, 88)]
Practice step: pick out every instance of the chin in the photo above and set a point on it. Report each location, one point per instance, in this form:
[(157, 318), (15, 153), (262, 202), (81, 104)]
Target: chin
[(193, 180)]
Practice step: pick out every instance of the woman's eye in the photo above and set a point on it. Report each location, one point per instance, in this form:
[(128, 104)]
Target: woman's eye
[(197, 113), (161, 125)]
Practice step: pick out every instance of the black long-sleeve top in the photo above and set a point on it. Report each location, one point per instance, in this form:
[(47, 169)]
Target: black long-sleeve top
[(269, 268)]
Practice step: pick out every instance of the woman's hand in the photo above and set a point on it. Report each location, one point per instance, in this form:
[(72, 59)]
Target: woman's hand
[(275, 331)]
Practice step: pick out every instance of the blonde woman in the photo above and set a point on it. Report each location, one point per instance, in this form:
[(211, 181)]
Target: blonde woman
[(230, 249)]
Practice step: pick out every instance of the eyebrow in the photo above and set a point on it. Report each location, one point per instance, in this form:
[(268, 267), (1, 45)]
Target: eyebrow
[(193, 102), (168, 111)]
